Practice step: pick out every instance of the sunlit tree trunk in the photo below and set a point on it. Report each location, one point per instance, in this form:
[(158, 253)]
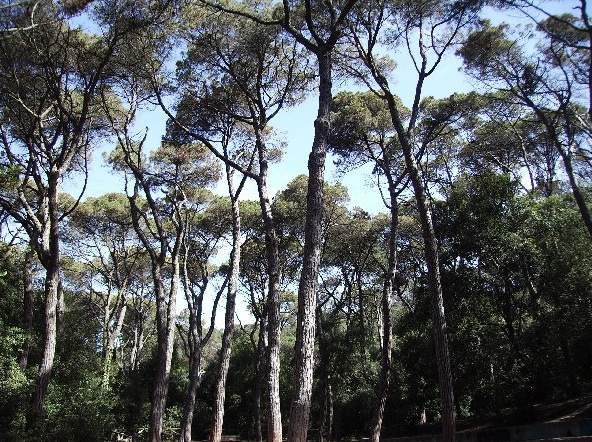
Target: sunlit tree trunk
[(259, 370), (307, 290), (111, 337), (274, 415), (195, 344)]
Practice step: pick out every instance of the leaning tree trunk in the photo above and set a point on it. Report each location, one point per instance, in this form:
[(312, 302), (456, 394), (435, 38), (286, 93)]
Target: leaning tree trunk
[(433, 269), (307, 289), (438, 314), (575, 189), (220, 394), (435, 290)]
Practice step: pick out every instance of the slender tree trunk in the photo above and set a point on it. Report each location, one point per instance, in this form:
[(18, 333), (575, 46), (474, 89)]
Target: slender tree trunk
[(113, 335), (435, 289), (220, 394), (28, 305), (166, 337), (307, 290), (138, 343), (575, 188), (195, 346), (161, 376), (387, 339), (259, 369), (274, 416), (50, 258), (49, 345), (433, 269), (329, 411), (325, 408), (274, 421)]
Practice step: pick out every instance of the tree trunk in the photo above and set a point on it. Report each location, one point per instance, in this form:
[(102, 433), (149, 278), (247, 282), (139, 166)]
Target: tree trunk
[(112, 337), (435, 289), (274, 416), (195, 352), (433, 269), (220, 394), (28, 305), (575, 188), (307, 289), (49, 255), (166, 337), (259, 369), (386, 345), (137, 343), (195, 346), (49, 344), (326, 400)]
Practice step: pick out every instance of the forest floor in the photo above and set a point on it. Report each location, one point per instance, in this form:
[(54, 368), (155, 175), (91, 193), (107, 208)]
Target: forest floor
[(572, 409), (541, 413)]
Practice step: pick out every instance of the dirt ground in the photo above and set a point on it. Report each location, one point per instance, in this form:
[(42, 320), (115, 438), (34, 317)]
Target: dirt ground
[(542, 413)]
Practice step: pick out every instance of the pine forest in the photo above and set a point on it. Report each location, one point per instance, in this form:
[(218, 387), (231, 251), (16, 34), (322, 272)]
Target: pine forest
[(295, 220)]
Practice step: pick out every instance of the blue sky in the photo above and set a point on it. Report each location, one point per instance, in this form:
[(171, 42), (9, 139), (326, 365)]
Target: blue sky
[(295, 126)]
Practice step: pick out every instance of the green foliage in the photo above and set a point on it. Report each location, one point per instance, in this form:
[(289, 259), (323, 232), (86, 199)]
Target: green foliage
[(9, 176), (514, 268), (77, 406), (79, 410), (14, 383)]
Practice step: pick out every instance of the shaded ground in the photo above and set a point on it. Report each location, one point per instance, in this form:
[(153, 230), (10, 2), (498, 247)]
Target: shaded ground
[(538, 414), (541, 413)]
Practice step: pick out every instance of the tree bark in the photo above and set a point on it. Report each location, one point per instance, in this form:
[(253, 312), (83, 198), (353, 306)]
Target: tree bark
[(259, 370), (575, 188), (165, 322), (195, 352), (274, 416), (49, 344), (307, 290), (225, 352), (49, 255), (110, 345), (326, 395), (387, 335), (435, 290), (166, 334)]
